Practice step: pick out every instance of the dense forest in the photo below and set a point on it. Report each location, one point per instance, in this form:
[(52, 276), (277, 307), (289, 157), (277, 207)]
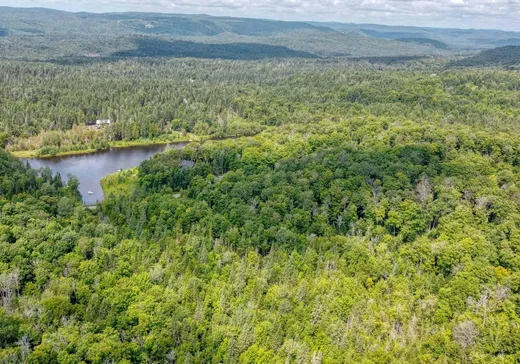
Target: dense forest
[(508, 56), (45, 107), (366, 208), (364, 240)]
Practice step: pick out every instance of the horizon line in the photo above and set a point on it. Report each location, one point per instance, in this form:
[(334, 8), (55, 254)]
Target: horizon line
[(257, 18)]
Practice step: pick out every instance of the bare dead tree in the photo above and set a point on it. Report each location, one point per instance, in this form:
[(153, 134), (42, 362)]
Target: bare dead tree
[(465, 334)]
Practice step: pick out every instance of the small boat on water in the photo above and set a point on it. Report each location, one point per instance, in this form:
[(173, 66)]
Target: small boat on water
[(90, 192)]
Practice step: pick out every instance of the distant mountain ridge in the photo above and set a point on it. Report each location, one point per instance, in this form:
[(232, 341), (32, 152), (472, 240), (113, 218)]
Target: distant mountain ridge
[(56, 21), (196, 25), (43, 34), (464, 39), (508, 42), (501, 56)]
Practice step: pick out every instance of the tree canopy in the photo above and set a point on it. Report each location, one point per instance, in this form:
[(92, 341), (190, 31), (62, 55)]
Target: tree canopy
[(363, 212)]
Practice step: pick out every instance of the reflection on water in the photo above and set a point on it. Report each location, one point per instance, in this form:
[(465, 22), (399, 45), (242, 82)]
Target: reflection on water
[(91, 168)]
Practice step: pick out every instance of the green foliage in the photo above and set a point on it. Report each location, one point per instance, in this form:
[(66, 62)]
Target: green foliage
[(427, 41), (365, 240), (502, 56), (373, 217), (122, 182), (9, 329), (163, 99), (3, 139)]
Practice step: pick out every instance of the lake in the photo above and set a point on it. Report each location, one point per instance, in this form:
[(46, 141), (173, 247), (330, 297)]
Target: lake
[(91, 168)]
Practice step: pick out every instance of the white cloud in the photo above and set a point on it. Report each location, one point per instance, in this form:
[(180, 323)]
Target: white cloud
[(498, 14)]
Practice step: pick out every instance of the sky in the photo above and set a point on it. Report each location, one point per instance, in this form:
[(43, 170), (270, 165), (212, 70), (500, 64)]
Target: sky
[(484, 14)]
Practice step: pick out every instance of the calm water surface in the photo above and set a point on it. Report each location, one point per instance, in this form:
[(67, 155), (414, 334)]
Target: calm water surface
[(91, 168)]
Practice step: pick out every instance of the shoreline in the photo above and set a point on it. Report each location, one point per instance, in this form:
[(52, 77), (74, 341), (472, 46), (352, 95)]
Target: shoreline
[(120, 144), (30, 154)]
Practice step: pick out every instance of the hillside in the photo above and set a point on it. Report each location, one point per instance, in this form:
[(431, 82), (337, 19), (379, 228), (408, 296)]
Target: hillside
[(502, 56), (50, 34), (48, 21), (458, 39), (508, 42), (43, 34), (427, 41)]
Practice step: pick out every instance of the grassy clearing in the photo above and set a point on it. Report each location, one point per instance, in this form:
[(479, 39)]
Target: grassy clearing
[(147, 142), (36, 154), (25, 153), (120, 183)]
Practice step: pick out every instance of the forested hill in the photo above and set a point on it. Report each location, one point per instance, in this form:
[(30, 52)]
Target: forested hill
[(470, 39), (44, 21), (502, 56), (44, 34)]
